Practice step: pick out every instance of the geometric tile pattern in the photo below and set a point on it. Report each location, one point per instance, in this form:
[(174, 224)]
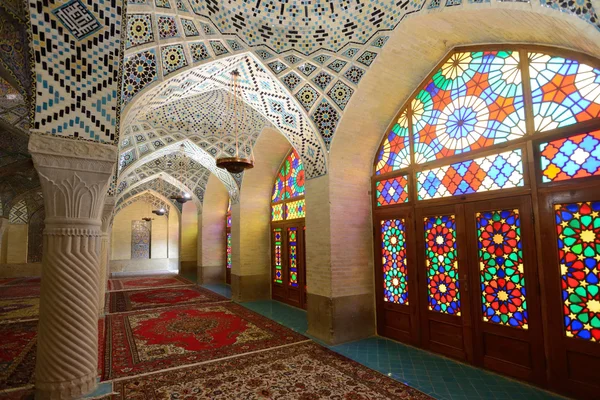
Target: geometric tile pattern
[(167, 27), (291, 80), (18, 214), (189, 28), (199, 52), (139, 29), (148, 197), (307, 96), (326, 119), (139, 71), (218, 47), (322, 79), (304, 26), (78, 102), (337, 65), (354, 74), (367, 58), (307, 68), (340, 93), (173, 58)]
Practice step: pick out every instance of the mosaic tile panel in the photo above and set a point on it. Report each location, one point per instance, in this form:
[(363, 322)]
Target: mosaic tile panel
[(139, 71), (367, 58), (292, 59), (263, 54), (189, 29), (351, 52), (326, 119), (322, 79), (380, 41), (207, 29), (93, 38), (181, 5), (307, 96), (291, 80), (277, 67), (340, 93), (199, 52), (337, 65), (234, 45), (140, 239), (173, 58), (218, 47), (162, 3), (139, 30), (321, 59), (307, 69), (167, 27), (583, 9), (354, 74)]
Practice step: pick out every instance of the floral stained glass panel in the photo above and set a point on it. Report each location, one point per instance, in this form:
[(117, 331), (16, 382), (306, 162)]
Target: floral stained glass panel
[(498, 171), (278, 271), (290, 179), (474, 100), (564, 91), (392, 191), (229, 221), (295, 209), (293, 256), (576, 156), (277, 212), (228, 250), (393, 252), (394, 153), (442, 264), (578, 230), (503, 295)]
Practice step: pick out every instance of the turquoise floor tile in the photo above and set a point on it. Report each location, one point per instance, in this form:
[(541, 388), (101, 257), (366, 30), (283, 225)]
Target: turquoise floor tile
[(220, 288)]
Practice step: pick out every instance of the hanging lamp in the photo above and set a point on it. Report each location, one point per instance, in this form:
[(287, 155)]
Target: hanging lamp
[(239, 161), (161, 211), (184, 197)]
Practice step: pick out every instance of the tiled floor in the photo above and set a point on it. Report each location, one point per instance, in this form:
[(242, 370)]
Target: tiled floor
[(437, 376)]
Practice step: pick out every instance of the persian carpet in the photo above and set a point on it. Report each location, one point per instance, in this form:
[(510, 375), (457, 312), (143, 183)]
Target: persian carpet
[(32, 280), (147, 341), (305, 371), (9, 292), (18, 309), (7, 281), (17, 354), (145, 299), (146, 282)]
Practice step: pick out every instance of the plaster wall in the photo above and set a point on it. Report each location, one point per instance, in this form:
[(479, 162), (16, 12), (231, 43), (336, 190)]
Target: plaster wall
[(16, 249)]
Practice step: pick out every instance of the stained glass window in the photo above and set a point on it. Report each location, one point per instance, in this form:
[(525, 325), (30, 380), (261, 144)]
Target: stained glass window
[(229, 221), (394, 153), (498, 171), (501, 268), (392, 191), (576, 156), (278, 278), (290, 179), (473, 101), (229, 250), (442, 264), (393, 251), (277, 212), (293, 256), (578, 229), (564, 91), (295, 209)]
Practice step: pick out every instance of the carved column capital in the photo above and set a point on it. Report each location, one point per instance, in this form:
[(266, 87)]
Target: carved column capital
[(74, 176), (107, 214)]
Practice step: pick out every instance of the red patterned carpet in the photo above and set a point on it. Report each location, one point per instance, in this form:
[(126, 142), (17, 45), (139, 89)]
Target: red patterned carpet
[(11, 292), (17, 309), (152, 340), (17, 354), (304, 371), (147, 299), (33, 281), (146, 282)]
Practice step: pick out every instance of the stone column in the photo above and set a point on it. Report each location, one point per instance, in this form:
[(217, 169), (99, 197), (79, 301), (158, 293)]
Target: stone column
[(74, 176), (3, 238), (109, 205)]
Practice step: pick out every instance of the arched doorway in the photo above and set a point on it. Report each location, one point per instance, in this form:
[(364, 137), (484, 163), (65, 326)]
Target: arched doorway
[(288, 210), (485, 185)]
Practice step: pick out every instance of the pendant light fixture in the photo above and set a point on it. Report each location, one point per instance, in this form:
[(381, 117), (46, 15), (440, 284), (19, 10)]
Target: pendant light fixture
[(240, 160), (161, 211), (184, 197)]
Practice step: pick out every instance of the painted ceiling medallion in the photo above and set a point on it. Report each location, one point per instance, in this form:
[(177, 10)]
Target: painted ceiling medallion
[(240, 160)]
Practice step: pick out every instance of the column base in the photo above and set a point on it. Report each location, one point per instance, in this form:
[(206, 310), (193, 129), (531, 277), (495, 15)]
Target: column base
[(66, 390), (211, 275), (341, 319), (250, 287)]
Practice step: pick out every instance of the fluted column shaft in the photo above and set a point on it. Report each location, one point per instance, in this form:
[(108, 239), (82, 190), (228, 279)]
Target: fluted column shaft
[(74, 176)]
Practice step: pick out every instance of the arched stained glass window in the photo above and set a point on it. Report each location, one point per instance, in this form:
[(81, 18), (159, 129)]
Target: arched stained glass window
[(288, 192), (473, 101), (394, 153)]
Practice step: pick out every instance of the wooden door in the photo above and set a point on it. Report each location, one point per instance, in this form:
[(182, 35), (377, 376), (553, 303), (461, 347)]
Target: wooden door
[(288, 261), (396, 275), (443, 281), (505, 297), (571, 269)]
